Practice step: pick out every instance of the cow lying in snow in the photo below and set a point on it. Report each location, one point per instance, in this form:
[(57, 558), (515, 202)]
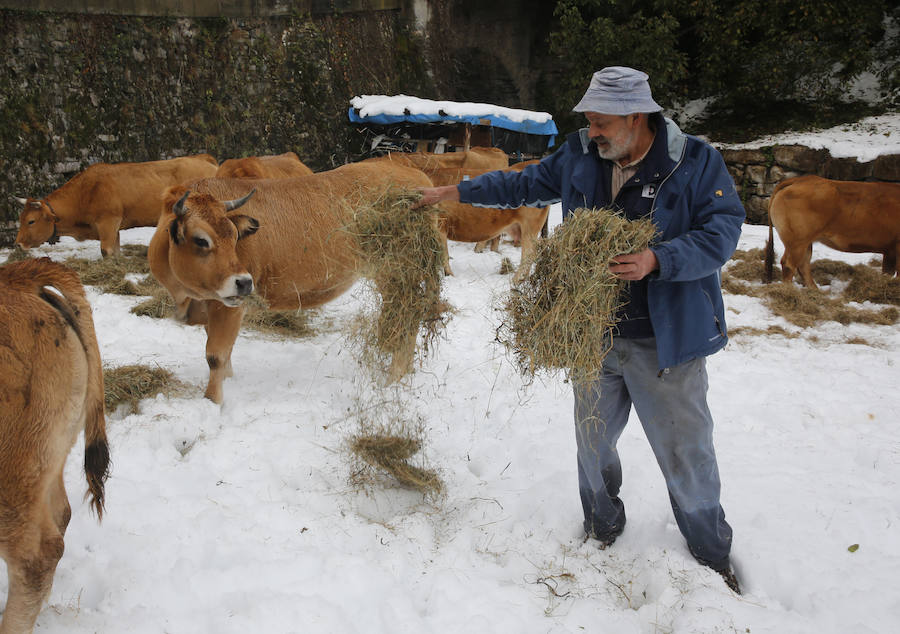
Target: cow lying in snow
[(285, 242), (51, 388), (465, 223), (104, 198), (849, 216), (287, 165)]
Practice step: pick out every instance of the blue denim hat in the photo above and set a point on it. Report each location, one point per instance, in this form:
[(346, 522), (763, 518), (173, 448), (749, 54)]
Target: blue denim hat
[(618, 90)]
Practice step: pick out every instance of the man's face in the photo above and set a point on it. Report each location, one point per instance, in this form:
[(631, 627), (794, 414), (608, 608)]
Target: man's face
[(614, 134)]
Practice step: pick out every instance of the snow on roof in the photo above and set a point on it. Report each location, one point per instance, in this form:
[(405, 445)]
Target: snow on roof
[(384, 109)]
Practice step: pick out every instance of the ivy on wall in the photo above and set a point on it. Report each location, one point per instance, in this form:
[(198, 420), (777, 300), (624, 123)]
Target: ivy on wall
[(80, 89)]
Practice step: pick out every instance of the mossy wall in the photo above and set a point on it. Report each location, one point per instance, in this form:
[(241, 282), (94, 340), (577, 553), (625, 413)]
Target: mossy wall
[(77, 89)]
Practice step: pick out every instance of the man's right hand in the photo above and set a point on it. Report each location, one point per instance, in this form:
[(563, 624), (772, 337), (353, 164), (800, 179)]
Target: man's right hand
[(434, 195)]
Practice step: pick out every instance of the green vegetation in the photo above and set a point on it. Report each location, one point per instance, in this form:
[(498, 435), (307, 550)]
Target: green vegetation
[(769, 65)]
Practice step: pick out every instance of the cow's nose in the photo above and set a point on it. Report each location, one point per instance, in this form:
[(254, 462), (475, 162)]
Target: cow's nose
[(244, 285)]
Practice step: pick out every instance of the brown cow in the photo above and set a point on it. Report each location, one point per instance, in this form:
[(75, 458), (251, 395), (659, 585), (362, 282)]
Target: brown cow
[(104, 198), (285, 165), (203, 252), (857, 217), (465, 223), (477, 158), (51, 388)]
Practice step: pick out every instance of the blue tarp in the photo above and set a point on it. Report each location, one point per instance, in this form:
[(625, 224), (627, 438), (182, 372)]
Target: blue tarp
[(546, 128)]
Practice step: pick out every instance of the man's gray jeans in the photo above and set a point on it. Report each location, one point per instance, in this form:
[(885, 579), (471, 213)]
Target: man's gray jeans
[(672, 408)]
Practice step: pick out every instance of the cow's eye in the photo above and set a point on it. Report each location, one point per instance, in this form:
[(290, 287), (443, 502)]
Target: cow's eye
[(31, 222), (203, 243)]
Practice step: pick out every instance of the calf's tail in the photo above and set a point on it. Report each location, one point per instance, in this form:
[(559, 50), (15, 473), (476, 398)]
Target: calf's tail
[(61, 287)]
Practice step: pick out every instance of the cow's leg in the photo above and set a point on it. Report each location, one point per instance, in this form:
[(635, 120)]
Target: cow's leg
[(59, 504), (796, 259), (889, 260), (494, 243), (30, 565), (447, 270), (108, 230), (528, 238), (221, 331), (805, 268)]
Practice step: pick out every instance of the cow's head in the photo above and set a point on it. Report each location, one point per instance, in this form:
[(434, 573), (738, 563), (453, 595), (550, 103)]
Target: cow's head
[(203, 237), (37, 223)]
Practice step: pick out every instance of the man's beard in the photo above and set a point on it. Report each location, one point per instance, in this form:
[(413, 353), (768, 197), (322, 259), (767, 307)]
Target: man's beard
[(617, 148)]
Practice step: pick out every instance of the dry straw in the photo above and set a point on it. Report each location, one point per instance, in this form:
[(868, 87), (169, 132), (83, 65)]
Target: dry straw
[(391, 454), (400, 250), (807, 307), (130, 384), (562, 316), (388, 439)]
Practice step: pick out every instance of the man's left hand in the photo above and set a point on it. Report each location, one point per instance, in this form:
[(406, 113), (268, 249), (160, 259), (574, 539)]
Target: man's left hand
[(634, 266)]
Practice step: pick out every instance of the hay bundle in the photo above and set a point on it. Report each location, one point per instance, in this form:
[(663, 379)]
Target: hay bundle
[(129, 384), (108, 274), (562, 316), (17, 254), (391, 453), (400, 250), (160, 305), (291, 323)]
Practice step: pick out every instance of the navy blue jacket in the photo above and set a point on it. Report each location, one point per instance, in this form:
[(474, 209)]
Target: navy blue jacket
[(693, 202)]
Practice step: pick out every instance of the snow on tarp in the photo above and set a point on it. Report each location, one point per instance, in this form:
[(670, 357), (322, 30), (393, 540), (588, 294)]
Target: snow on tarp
[(383, 109)]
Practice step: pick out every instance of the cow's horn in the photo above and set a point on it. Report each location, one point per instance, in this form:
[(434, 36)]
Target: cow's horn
[(231, 205), (178, 209), (21, 201)]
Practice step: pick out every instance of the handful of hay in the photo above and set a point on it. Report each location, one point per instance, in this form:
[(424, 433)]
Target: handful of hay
[(401, 251), (562, 316)]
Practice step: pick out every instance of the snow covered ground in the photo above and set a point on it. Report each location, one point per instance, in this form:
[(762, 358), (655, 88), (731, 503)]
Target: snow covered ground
[(241, 518)]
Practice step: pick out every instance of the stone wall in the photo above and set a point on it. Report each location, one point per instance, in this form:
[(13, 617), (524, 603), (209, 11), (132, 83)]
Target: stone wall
[(757, 172), (77, 89)]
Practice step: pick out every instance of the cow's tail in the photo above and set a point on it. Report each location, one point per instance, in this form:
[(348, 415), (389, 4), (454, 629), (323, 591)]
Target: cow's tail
[(61, 287), (770, 253)]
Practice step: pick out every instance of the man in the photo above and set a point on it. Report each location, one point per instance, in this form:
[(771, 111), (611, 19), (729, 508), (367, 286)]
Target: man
[(633, 159)]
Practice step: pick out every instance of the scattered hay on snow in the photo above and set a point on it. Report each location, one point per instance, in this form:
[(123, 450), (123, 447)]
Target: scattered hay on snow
[(129, 384), (806, 307), (386, 442), (401, 252), (562, 316), (290, 323), (17, 254)]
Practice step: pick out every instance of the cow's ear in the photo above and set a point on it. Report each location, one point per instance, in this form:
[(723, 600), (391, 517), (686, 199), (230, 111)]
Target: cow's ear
[(246, 226), (176, 231)]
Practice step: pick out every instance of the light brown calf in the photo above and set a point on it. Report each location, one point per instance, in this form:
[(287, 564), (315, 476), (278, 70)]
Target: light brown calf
[(852, 216), (51, 388), (104, 198), (285, 165), (286, 243)]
